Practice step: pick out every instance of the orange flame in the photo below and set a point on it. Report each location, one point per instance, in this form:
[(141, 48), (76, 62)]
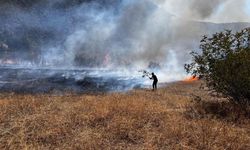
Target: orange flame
[(191, 79)]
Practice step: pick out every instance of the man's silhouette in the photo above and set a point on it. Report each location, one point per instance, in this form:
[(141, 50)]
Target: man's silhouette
[(154, 77)]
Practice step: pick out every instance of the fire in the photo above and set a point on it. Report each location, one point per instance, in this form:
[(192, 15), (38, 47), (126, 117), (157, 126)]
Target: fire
[(191, 79)]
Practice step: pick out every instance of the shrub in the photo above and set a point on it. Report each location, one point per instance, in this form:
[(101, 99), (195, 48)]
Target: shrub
[(225, 64)]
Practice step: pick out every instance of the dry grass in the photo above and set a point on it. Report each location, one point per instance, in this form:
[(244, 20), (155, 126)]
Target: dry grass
[(165, 119)]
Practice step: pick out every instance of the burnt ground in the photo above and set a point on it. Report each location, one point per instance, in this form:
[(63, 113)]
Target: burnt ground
[(26, 80)]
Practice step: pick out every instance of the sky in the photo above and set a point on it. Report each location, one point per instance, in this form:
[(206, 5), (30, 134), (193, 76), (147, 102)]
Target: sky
[(218, 11), (248, 7), (232, 11)]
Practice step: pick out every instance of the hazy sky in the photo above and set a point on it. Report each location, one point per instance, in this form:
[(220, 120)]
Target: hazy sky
[(220, 11), (242, 15), (232, 11), (248, 7)]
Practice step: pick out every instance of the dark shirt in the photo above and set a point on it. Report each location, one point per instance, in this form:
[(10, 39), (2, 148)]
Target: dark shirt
[(154, 77)]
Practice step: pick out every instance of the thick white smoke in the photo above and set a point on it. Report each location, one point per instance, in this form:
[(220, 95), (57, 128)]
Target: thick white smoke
[(145, 31), (121, 34)]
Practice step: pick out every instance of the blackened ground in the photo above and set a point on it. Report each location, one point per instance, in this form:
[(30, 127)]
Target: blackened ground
[(24, 80)]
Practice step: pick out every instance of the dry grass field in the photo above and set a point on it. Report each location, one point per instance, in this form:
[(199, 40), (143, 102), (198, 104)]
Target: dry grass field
[(178, 116)]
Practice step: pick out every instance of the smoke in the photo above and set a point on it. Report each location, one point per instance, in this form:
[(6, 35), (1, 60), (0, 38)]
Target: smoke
[(232, 10), (136, 35), (202, 9), (114, 33), (215, 10)]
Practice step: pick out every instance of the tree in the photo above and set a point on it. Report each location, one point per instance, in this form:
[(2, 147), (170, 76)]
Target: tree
[(225, 64)]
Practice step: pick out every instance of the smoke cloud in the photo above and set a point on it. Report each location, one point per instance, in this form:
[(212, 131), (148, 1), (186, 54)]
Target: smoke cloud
[(110, 33), (203, 9)]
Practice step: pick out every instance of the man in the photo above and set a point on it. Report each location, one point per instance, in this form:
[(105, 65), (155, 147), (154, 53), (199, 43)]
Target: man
[(154, 77)]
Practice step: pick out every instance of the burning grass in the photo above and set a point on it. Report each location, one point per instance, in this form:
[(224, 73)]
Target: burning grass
[(191, 79), (165, 119)]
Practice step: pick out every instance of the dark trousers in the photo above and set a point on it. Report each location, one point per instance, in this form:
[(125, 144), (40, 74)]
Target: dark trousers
[(154, 85)]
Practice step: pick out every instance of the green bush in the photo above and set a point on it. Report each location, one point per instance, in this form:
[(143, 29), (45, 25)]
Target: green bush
[(225, 64)]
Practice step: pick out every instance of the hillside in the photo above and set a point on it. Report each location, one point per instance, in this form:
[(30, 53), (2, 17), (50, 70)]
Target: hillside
[(178, 116)]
